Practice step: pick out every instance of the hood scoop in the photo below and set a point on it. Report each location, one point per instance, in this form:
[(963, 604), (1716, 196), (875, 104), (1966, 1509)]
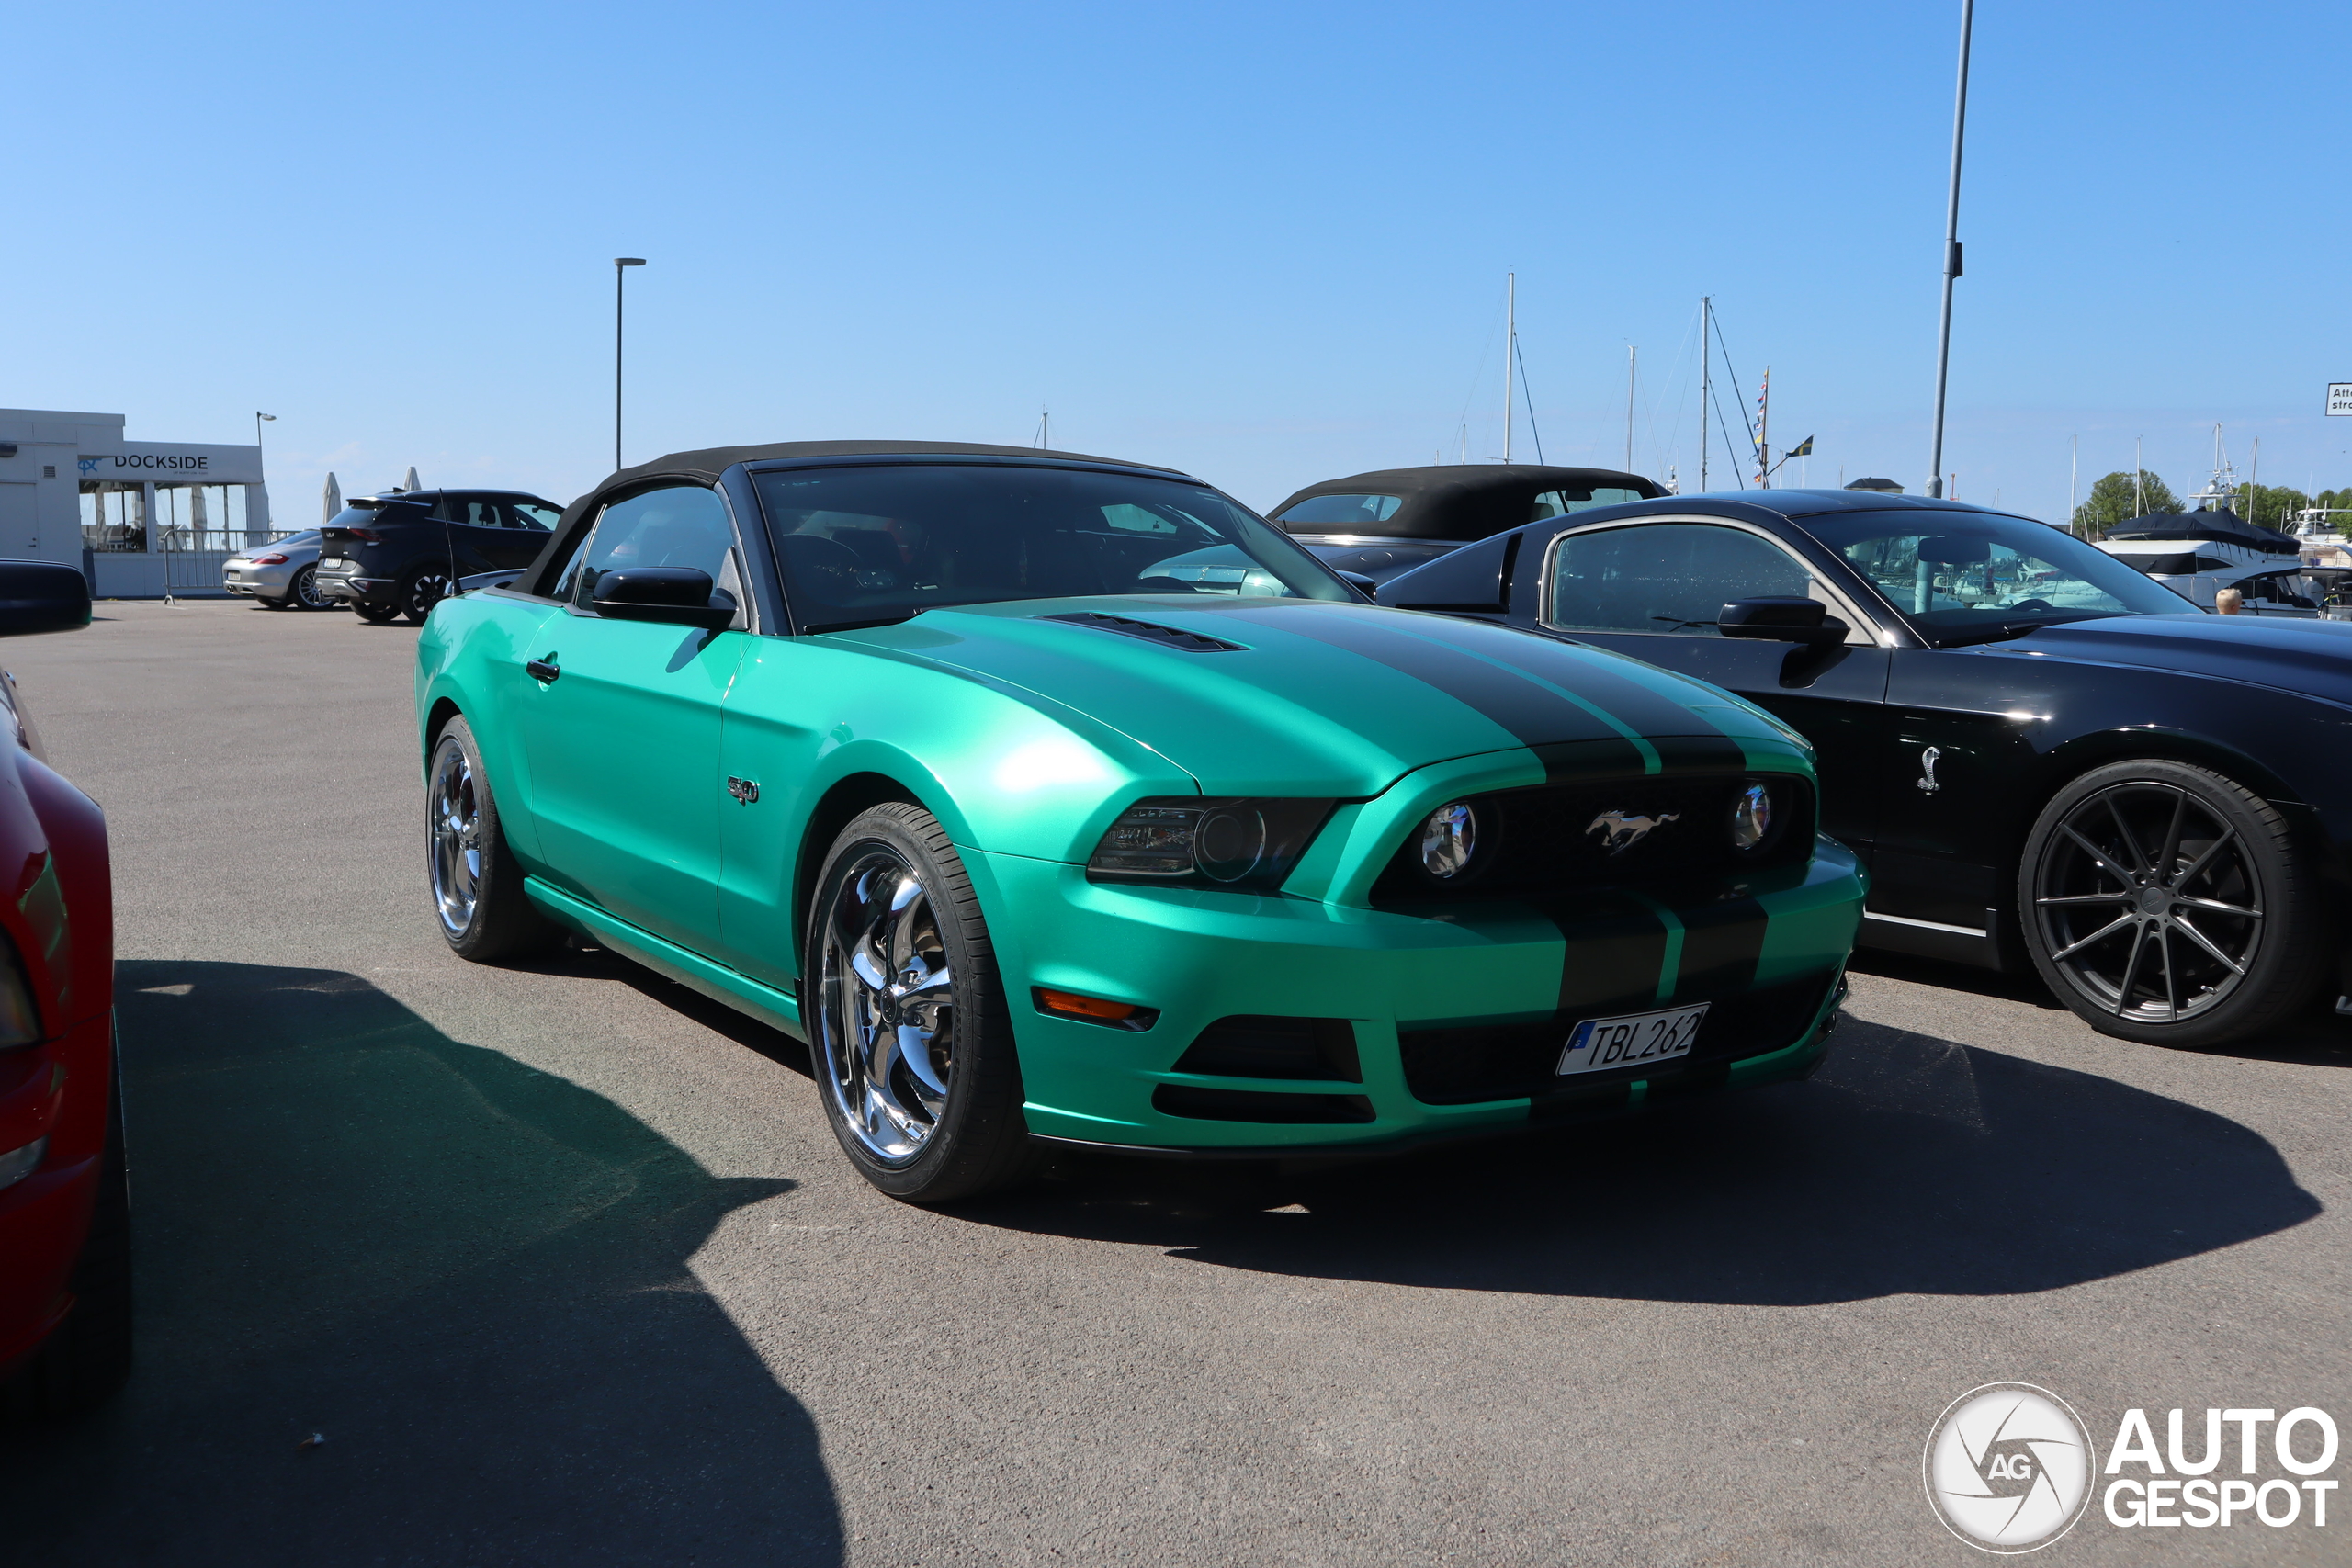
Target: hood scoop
[(1149, 631)]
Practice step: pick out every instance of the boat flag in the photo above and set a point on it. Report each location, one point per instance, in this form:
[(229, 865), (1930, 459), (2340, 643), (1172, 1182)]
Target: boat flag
[(1802, 449)]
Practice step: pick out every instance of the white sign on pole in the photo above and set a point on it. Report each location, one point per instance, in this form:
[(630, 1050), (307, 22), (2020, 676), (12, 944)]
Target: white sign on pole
[(2339, 397)]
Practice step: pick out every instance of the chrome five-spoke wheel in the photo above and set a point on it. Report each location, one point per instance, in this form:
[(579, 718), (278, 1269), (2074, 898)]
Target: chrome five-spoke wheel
[(454, 805), (886, 1015), (2148, 901)]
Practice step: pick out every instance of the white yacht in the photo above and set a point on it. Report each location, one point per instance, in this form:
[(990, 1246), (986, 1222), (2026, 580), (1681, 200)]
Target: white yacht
[(2200, 552)]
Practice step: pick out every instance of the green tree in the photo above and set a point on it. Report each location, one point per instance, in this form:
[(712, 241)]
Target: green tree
[(2272, 506), (2115, 499)]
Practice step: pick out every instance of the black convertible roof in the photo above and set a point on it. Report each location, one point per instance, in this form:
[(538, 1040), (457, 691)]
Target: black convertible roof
[(1462, 500), (711, 461)]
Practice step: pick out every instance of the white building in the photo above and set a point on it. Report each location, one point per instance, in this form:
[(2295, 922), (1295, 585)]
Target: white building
[(140, 517)]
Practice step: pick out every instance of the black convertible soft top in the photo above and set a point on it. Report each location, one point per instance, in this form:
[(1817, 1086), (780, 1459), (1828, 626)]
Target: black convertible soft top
[(1458, 500), (711, 461)]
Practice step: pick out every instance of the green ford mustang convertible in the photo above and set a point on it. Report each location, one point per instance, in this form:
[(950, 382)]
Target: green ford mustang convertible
[(1055, 798)]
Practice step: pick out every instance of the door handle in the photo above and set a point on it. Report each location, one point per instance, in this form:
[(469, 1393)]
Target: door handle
[(541, 670)]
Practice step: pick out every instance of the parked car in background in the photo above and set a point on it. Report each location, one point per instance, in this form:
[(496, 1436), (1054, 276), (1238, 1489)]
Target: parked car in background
[(283, 575), (2046, 757), (401, 552), (1057, 797), (1382, 524), (65, 1193)]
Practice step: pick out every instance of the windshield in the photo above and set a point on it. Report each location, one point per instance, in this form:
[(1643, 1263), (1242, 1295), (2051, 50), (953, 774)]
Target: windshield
[(866, 545), (1960, 576)]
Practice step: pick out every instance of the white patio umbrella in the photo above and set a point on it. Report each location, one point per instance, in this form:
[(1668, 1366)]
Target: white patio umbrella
[(411, 482), (331, 501)]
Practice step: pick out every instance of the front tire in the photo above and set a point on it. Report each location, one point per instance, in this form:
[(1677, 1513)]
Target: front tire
[(2167, 904), (913, 1041), (477, 883)]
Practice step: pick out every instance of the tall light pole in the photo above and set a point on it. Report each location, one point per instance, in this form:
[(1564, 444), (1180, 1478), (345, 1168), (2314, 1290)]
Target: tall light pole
[(1951, 248), (620, 265), (258, 417)]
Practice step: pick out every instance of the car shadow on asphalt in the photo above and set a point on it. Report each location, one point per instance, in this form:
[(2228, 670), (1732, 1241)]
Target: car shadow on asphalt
[(2317, 1036), (471, 1277), (1909, 1164)]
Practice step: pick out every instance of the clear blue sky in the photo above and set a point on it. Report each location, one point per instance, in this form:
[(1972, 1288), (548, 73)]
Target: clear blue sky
[(1265, 243)]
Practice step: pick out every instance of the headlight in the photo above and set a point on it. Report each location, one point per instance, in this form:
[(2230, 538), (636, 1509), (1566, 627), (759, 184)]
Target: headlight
[(1751, 817), (1249, 845), (1449, 840)]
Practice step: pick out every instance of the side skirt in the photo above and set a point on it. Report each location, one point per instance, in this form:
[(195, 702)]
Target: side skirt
[(1933, 938), (777, 1009)]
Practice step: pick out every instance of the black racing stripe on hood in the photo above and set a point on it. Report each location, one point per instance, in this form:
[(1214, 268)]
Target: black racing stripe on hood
[(1570, 762), (1646, 710), (1530, 711), (1720, 946)]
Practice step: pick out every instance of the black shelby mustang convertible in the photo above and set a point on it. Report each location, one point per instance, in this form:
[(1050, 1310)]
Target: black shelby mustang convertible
[(2042, 756)]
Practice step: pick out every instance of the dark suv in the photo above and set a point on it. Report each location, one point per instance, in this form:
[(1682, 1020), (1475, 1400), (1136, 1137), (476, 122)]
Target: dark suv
[(401, 552)]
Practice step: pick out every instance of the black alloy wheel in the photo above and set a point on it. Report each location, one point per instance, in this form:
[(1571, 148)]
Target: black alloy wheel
[(2167, 904), (421, 589)]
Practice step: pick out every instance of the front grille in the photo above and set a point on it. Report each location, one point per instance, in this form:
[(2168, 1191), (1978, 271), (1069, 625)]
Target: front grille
[(1482, 1062), (1259, 1105), (1249, 1045), (1553, 837)]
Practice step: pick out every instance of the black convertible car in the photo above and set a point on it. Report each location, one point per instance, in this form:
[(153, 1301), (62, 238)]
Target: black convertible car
[(1390, 521), (2043, 756)]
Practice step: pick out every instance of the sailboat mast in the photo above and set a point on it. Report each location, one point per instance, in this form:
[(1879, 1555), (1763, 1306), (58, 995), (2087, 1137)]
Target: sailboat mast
[(1511, 349), (1706, 378), (1764, 432), (1632, 358)]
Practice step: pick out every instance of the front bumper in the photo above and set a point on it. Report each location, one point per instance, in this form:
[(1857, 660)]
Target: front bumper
[(1456, 1015)]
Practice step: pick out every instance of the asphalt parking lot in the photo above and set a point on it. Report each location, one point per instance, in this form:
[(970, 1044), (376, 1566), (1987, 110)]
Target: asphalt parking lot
[(564, 1267)]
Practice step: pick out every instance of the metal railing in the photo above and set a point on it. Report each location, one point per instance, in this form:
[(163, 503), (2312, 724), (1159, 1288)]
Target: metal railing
[(193, 558)]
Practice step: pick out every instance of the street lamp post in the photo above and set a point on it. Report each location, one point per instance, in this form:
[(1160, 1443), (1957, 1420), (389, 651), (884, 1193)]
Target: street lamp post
[(1951, 248), (620, 265)]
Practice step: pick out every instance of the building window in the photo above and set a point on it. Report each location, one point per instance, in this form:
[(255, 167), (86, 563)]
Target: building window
[(113, 518)]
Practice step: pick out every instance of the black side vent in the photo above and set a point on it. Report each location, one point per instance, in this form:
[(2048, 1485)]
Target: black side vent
[(1150, 631), (1250, 1045)]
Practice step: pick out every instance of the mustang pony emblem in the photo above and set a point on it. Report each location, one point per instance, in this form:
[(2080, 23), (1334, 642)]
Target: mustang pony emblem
[(1625, 831)]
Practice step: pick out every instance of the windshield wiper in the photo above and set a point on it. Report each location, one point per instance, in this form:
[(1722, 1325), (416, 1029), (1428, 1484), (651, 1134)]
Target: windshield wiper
[(1999, 631)]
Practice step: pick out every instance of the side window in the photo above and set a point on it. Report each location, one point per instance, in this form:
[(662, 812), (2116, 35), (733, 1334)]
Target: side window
[(1663, 577), (675, 525), (531, 515)]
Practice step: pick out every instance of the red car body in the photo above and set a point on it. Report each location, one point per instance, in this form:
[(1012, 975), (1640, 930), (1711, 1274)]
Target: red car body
[(57, 1089)]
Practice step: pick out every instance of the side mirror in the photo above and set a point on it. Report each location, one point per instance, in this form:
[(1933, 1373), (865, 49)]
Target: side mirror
[(679, 595), (1360, 584), (1782, 618), (42, 596)]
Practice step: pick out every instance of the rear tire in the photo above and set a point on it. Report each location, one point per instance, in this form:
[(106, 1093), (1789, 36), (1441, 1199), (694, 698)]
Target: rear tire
[(303, 592), (477, 883), (268, 604), (2170, 904), (911, 1037), (421, 589), (376, 614)]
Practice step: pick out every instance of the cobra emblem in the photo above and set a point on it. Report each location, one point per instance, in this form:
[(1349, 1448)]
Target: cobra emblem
[(1928, 757), (1625, 831)]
